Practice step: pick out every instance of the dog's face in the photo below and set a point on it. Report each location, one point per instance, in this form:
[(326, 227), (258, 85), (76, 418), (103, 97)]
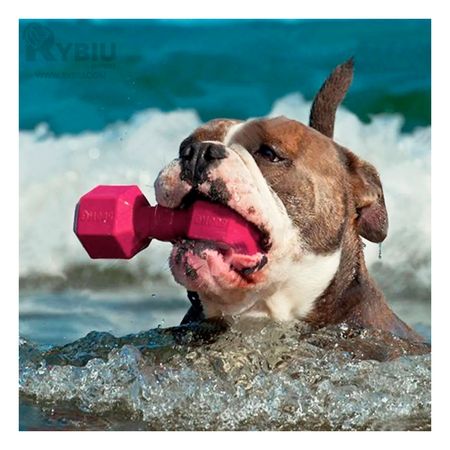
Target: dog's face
[(309, 198), (300, 189)]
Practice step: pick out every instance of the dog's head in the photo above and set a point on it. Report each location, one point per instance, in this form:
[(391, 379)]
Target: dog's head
[(300, 189)]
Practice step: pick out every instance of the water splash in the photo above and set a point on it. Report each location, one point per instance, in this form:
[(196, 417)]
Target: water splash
[(252, 375)]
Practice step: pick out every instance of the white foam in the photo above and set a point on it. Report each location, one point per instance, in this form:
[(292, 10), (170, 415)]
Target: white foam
[(56, 170)]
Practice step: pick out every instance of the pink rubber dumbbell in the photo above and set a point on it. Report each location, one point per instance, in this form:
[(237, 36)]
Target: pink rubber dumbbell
[(118, 222)]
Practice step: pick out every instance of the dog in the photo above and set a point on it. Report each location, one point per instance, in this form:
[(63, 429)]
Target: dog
[(311, 199)]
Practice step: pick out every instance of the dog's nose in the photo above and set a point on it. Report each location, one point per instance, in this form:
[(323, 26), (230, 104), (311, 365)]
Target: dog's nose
[(197, 158)]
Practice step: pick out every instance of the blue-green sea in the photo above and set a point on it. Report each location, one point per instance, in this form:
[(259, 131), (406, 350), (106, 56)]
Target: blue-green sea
[(220, 68)]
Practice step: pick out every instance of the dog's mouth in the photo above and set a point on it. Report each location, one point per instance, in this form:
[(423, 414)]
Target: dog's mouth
[(263, 236), (199, 263)]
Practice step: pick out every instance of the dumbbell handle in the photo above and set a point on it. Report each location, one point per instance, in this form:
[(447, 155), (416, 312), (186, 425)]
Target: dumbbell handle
[(163, 224), (202, 220)]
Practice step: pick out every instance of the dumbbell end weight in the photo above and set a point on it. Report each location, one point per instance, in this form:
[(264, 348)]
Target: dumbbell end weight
[(109, 222)]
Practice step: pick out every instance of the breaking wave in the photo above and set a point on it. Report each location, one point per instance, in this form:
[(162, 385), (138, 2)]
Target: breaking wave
[(56, 170)]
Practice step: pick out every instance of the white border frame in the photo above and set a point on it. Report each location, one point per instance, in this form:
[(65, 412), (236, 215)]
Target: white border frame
[(231, 9)]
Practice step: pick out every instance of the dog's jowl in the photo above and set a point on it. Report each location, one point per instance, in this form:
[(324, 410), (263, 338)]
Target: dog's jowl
[(312, 201)]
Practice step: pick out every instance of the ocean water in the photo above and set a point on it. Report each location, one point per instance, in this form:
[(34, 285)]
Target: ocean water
[(83, 75), (85, 121)]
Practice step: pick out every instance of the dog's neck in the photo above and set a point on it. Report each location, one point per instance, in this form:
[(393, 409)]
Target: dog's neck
[(353, 296)]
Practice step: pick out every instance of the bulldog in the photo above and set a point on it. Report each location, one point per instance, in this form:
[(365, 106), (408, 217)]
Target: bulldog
[(311, 199)]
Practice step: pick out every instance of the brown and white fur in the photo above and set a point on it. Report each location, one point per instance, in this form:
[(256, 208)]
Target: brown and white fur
[(312, 201)]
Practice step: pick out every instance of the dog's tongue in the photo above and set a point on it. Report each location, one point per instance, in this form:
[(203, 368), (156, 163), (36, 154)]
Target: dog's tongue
[(218, 223)]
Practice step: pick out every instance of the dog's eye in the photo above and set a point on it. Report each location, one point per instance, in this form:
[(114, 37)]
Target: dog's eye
[(268, 153)]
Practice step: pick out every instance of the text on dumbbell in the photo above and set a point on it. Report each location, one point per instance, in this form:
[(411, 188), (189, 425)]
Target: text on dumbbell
[(96, 216)]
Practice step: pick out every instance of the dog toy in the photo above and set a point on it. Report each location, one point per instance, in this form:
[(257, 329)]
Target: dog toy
[(119, 222)]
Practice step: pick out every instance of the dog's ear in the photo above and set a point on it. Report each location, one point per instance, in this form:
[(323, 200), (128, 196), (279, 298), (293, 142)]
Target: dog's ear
[(330, 95), (371, 215)]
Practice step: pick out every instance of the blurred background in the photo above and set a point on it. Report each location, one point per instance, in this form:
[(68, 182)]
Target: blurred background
[(109, 101)]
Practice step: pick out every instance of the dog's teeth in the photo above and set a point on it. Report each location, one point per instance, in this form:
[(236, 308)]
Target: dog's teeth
[(250, 270), (263, 262)]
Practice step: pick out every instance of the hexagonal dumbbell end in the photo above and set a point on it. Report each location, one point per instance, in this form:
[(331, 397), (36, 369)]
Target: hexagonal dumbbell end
[(108, 222)]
